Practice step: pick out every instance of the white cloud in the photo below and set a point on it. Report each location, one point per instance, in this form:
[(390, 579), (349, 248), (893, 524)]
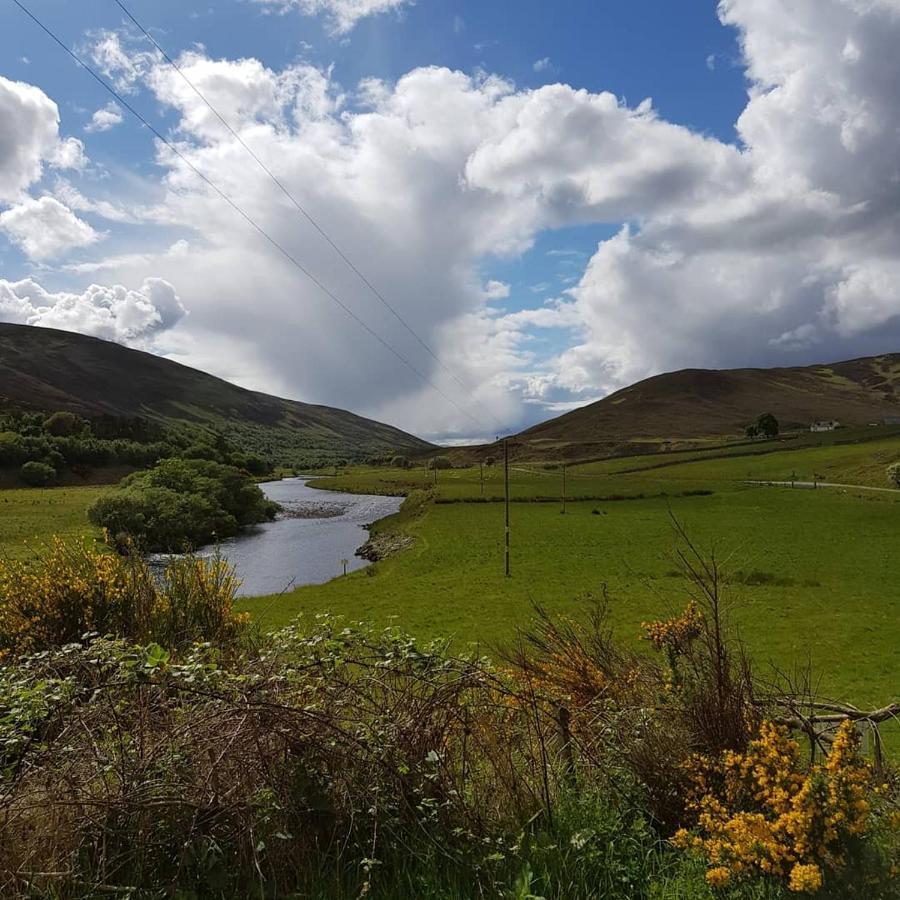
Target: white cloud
[(29, 139), (341, 14), (542, 65), (45, 228), (711, 62), (768, 251), (114, 313), (496, 290), (105, 118)]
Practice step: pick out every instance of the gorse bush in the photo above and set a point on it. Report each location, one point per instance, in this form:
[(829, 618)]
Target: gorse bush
[(765, 812), (75, 589), (181, 504)]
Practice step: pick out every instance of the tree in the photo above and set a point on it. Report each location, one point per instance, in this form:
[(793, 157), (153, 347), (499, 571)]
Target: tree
[(751, 431), (63, 424), (894, 474), (767, 425), (37, 474), (181, 502), (440, 462), (400, 462), (489, 460)]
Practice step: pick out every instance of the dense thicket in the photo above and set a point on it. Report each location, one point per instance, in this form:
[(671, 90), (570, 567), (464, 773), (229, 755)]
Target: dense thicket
[(180, 504), (65, 442)]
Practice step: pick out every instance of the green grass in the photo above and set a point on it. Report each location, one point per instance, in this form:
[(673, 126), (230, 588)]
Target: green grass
[(817, 571), (32, 516), (826, 567)]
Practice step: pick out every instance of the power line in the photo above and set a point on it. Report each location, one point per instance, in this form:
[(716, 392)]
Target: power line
[(237, 208), (296, 203)]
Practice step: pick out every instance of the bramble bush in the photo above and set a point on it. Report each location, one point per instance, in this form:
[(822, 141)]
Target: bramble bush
[(334, 761)]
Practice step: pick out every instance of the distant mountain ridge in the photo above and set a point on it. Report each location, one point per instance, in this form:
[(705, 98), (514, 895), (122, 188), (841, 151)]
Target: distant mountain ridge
[(46, 369), (706, 403)]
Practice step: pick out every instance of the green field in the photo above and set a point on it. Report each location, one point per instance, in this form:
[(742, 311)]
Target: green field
[(30, 517), (816, 573)]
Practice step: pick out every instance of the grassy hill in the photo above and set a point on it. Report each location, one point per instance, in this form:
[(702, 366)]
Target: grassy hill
[(692, 405), (45, 369)]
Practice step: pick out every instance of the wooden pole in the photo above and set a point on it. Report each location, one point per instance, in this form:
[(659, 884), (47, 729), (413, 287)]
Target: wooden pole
[(481, 467), (564, 488), (506, 501)]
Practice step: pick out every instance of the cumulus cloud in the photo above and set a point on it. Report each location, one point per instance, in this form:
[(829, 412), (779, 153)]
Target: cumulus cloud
[(117, 313), (105, 118), (780, 248), (342, 15), (542, 64), (791, 256), (45, 228), (29, 139), (496, 290)]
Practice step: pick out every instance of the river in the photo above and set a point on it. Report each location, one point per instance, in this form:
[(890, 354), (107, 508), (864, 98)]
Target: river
[(307, 542)]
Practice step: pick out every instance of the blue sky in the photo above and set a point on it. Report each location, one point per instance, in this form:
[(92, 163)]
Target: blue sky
[(511, 147)]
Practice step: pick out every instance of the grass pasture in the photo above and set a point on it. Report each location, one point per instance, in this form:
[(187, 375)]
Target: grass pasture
[(816, 574), (29, 517)]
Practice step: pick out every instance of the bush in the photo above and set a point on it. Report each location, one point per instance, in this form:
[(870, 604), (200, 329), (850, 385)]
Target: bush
[(440, 462), (893, 473), (12, 449), (63, 424), (336, 762), (37, 474), (400, 462), (181, 503), (75, 589)]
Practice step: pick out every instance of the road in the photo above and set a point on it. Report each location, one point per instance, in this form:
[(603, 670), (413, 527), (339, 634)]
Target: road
[(825, 484)]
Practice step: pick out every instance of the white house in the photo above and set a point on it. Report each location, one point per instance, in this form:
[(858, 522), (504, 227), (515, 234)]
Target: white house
[(828, 425)]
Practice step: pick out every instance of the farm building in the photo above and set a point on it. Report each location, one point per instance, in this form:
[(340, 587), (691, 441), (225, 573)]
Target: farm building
[(828, 425), (892, 420)]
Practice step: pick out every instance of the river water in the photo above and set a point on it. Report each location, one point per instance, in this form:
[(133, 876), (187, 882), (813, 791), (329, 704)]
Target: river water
[(306, 543)]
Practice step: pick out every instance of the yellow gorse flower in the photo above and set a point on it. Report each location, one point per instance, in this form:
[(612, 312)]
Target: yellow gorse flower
[(77, 588), (762, 812)]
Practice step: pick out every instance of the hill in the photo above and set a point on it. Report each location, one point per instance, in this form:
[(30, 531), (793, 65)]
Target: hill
[(46, 369), (698, 404)]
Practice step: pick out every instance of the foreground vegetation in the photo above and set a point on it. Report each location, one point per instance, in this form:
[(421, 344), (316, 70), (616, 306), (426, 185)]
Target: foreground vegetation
[(330, 761)]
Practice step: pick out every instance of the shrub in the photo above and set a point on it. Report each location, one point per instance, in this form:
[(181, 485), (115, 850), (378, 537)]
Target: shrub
[(440, 462), (63, 424), (12, 449), (400, 462), (75, 589), (181, 503), (893, 473), (764, 812), (37, 474)]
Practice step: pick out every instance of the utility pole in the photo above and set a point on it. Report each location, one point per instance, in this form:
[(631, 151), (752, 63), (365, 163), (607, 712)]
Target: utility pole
[(506, 499), (564, 489)]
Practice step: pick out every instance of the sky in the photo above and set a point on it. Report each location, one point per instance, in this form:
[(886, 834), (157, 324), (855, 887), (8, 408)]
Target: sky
[(458, 217)]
